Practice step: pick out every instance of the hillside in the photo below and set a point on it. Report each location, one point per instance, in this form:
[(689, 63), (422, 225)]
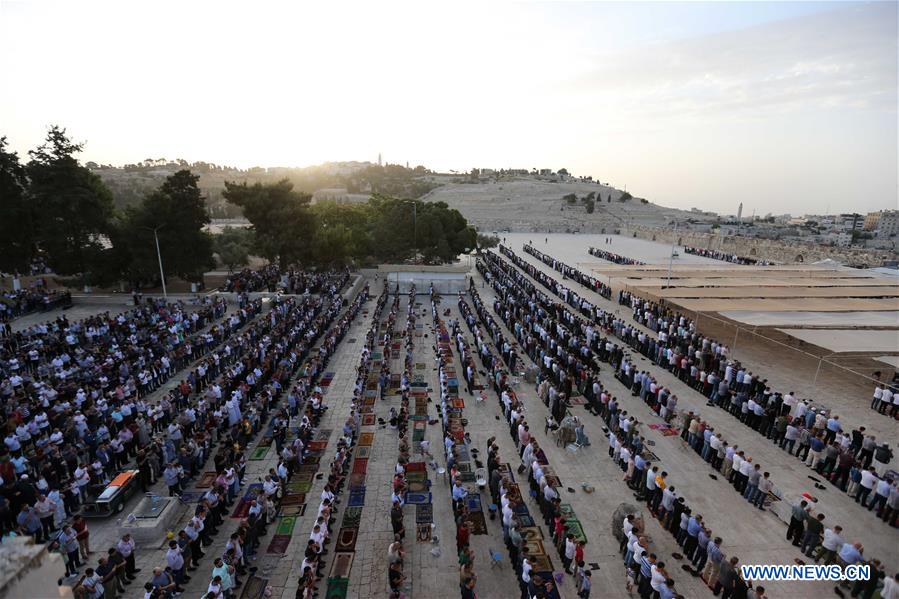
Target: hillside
[(493, 203), (532, 204), (129, 184)]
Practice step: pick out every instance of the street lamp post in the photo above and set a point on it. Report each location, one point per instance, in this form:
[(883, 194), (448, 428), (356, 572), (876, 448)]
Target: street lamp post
[(671, 257), (414, 223), (159, 257)]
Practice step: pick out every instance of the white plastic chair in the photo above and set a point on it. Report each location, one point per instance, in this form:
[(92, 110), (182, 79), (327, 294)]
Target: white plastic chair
[(481, 476)]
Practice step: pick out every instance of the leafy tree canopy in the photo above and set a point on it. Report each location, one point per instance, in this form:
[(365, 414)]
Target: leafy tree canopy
[(177, 213), (16, 214), (73, 208), (281, 218)]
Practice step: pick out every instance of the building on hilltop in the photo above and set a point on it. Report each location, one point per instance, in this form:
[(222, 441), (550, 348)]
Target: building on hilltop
[(888, 224), (871, 220), (849, 222)]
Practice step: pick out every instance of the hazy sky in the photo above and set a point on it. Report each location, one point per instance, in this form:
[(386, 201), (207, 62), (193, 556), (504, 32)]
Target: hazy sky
[(787, 107)]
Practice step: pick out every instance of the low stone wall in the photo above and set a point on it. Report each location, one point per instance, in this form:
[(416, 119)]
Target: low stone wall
[(780, 252)]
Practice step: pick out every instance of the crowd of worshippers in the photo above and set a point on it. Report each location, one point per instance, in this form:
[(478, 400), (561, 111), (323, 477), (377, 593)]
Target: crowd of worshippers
[(734, 383), (567, 271), (504, 492), (273, 278), (399, 421), (854, 461), (296, 334), (613, 257), (320, 537), (452, 448), (702, 363), (100, 418), (25, 301), (303, 401), (725, 256)]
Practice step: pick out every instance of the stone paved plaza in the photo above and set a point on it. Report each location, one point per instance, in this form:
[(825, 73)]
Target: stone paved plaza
[(432, 569)]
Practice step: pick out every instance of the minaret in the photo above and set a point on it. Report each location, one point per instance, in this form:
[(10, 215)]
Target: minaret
[(379, 161), (739, 210)]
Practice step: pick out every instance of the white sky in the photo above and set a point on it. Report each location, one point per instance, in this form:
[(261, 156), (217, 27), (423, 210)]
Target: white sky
[(787, 107)]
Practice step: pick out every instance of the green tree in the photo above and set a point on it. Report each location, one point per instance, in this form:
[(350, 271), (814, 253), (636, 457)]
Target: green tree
[(343, 232), (281, 218), (16, 214), (73, 208), (177, 213), (570, 198), (591, 205), (485, 242), (233, 246)]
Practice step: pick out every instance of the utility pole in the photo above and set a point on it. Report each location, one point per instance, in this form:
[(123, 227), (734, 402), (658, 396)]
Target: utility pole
[(159, 257), (671, 257)]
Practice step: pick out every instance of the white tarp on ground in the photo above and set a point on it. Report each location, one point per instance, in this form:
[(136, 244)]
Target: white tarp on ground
[(891, 360), (848, 340), (838, 319), (443, 282)]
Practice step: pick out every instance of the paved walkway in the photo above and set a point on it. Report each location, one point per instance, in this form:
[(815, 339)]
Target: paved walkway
[(756, 537), (789, 474)]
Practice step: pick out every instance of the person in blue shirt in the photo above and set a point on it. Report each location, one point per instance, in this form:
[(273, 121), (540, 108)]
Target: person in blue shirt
[(694, 525), (29, 522), (666, 591), (851, 554)]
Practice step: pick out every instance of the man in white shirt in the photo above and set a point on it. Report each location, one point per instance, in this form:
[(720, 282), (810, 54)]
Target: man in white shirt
[(868, 482), (832, 542)]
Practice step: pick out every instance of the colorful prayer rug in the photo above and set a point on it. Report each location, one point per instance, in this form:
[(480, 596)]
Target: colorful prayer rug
[(337, 588), (299, 478), (259, 454), (317, 445), (534, 547), (360, 465), (352, 516), (362, 452), (303, 487), (575, 528), (423, 533), (294, 486), (424, 513), (293, 510), (530, 533), (346, 540), (357, 499), (207, 480), (525, 520), (477, 524), (254, 588), (366, 438), (286, 525), (417, 498), (278, 544), (543, 564), (368, 420), (342, 564), (417, 486)]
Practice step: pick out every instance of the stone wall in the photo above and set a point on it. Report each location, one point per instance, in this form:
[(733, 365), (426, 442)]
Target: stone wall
[(779, 252)]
